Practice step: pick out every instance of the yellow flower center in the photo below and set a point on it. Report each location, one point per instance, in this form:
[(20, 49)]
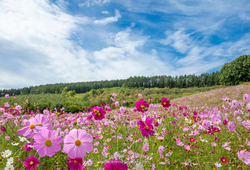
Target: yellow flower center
[(146, 127), (31, 162), (48, 142), (164, 103), (216, 119), (141, 106), (243, 158), (99, 114), (32, 126), (75, 161), (77, 142), (40, 124)]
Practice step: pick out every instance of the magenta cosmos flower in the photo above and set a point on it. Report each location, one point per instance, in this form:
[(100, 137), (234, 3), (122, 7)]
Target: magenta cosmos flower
[(98, 113), (146, 128), (244, 156), (165, 102), (31, 162), (47, 142), (142, 105), (115, 164), (77, 143), (224, 159), (75, 164)]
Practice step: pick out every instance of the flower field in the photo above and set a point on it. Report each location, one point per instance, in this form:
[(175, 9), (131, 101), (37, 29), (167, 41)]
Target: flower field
[(209, 130)]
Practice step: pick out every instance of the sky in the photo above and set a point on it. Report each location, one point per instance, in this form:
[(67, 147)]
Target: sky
[(63, 41)]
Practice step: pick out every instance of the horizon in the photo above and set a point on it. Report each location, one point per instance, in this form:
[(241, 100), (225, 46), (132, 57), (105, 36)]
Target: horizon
[(51, 41)]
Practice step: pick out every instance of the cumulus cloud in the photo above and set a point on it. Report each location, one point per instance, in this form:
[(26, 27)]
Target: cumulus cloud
[(34, 53)]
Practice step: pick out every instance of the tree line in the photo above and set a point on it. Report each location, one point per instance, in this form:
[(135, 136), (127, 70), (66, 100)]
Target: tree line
[(183, 81)]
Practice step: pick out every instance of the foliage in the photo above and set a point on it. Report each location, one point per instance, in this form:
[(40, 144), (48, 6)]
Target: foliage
[(236, 72)]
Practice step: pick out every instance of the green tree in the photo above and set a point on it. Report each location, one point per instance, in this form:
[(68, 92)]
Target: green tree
[(235, 72)]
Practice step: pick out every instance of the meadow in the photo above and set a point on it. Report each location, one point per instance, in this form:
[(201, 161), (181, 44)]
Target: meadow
[(206, 130)]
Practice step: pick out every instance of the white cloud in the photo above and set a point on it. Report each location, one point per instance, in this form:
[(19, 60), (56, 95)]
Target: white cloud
[(105, 12), (36, 48), (109, 19), (93, 2), (179, 40)]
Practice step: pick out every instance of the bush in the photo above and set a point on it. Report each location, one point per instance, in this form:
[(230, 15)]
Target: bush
[(186, 94), (72, 108), (236, 72)]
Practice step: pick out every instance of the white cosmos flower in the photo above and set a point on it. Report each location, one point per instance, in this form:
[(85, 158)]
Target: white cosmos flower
[(14, 144), (6, 153), (10, 161), (9, 167)]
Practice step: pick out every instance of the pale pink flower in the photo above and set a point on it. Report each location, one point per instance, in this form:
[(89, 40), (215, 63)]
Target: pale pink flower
[(47, 142), (77, 143)]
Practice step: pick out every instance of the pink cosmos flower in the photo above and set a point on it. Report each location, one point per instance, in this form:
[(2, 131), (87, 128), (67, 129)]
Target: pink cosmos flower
[(186, 129), (187, 147), (115, 164), (98, 113), (246, 124), (165, 102), (246, 97), (161, 149), (30, 129), (217, 164), (77, 143), (142, 105), (213, 144), (244, 156), (235, 104), (40, 120), (140, 95), (7, 96), (206, 124), (47, 142), (216, 119), (231, 126), (146, 128), (31, 162), (247, 142)]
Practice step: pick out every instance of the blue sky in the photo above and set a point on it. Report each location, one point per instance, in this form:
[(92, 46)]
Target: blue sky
[(61, 41)]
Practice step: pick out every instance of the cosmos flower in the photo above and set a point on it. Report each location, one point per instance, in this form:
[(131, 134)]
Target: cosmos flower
[(146, 128), (98, 113), (77, 143), (142, 105), (47, 142), (165, 102), (224, 159), (244, 156), (115, 164), (246, 97), (217, 164), (31, 162), (231, 126)]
